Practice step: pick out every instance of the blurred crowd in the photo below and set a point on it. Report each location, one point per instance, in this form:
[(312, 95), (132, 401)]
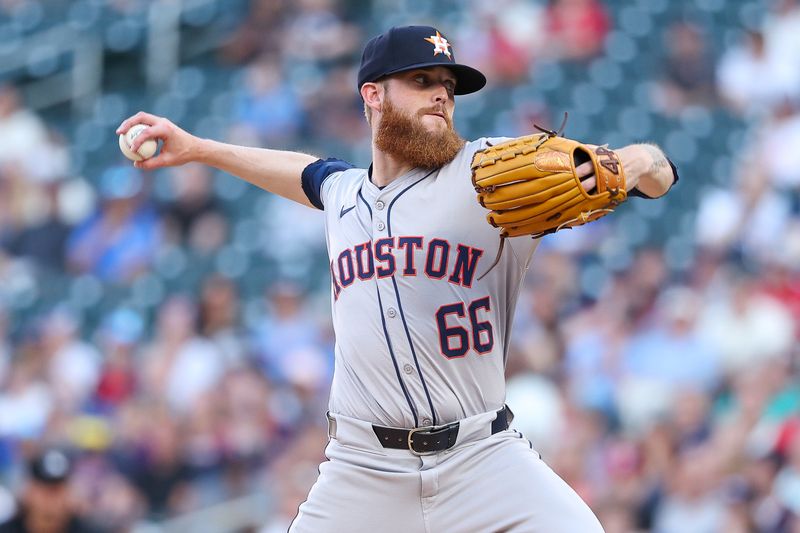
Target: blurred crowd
[(667, 397)]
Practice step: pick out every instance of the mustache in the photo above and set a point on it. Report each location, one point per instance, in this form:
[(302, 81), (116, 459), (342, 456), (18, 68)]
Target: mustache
[(437, 110)]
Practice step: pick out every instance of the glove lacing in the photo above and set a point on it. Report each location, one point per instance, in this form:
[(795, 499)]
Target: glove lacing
[(548, 134)]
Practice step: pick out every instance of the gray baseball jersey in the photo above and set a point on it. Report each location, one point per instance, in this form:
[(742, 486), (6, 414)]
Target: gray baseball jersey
[(420, 340)]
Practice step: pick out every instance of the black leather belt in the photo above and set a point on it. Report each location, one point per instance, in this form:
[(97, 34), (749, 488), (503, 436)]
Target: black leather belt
[(431, 439)]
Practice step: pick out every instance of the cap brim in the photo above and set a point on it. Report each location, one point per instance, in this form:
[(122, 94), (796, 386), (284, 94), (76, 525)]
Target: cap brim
[(468, 79)]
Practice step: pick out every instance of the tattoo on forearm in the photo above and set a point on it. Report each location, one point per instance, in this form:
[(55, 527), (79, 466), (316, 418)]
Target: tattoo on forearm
[(659, 160)]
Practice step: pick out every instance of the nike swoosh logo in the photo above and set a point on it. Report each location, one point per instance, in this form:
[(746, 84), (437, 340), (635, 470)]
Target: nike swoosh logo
[(344, 211)]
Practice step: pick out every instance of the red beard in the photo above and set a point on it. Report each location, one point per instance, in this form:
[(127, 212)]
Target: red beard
[(405, 138)]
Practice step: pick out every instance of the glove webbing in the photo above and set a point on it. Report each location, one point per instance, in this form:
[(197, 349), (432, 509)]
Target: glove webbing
[(548, 135)]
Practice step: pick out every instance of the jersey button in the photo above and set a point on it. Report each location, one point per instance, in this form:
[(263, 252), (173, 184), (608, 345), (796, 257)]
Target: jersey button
[(408, 369), (381, 226), (379, 205), (426, 421), (391, 312)]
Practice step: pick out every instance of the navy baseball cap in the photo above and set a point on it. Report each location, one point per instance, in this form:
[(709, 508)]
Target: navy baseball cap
[(51, 466), (409, 47)]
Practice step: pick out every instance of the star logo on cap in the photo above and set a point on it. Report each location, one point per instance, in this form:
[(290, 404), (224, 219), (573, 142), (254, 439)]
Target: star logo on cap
[(440, 45)]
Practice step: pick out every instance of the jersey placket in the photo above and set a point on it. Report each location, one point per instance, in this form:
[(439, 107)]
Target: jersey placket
[(389, 310), (394, 312)]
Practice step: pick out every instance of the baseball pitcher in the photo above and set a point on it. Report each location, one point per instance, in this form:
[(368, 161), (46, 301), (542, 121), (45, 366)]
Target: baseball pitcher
[(428, 248)]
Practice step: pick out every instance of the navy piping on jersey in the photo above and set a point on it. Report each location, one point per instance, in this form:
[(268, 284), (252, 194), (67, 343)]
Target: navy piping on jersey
[(394, 359), (530, 444), (401, 193), (413, 351), (400, 303), (361, 197)]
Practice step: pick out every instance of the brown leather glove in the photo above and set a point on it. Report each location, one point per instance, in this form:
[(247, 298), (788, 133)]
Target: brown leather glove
[(531, 186)]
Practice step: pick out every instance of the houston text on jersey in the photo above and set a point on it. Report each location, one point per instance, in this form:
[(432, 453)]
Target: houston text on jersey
[(408, 256)]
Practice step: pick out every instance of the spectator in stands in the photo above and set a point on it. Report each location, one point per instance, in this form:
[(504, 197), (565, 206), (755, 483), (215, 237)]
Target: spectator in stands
[(782, 31), (690, 419), (204, 447), (26, 400), (119, 241), (180, 366), (292, 474), (778, 136), (267, 110), (761, 212), (732, 217), (751, 81), (194, 217), (736, 496), (46, 504), (616, 517), (157, 467), (765, 511), (664, 358), (287, 349), (780, 281), (316, 32), (542, 409), (32, 161), (296, 249), (24, 138), (576, 29), (787, 482), (247, 427), (619, 466), (688, 71), (542, 346), (116, 505), (259, 32), (692, 504), (594, 353), (507, 59), (769, 192), (746, 327), (552, 289), (44, 238), (503, 39), (118, 337), (72, 365), (219, 319), (335, 115)]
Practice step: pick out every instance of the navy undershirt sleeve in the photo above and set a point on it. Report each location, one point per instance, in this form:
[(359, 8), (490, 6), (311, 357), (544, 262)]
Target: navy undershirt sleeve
[(315, 173), (640, 194)]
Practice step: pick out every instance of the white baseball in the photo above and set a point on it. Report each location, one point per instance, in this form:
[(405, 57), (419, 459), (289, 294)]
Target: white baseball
[(145, 151)]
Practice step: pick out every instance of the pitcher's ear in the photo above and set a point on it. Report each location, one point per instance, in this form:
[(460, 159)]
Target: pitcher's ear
[(372, 94)]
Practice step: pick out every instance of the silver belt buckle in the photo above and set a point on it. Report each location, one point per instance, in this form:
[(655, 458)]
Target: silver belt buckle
[(417, 430)]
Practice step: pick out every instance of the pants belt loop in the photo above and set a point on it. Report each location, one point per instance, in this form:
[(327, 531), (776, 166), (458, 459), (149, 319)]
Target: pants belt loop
[(331, 425)]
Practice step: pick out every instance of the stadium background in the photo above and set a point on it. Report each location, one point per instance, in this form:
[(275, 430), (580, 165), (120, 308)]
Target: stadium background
[(171, 329)]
